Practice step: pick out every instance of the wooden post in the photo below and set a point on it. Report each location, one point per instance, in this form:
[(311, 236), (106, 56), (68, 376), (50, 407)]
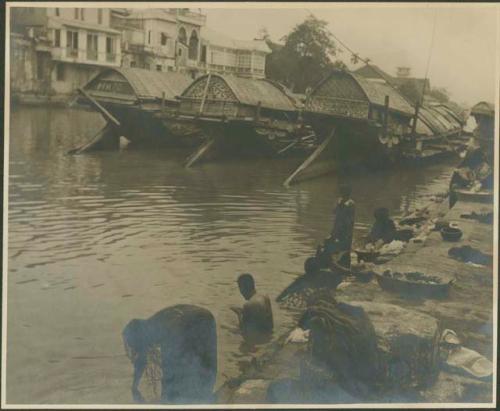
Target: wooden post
[(205, 93), (103, 111), (386, 114), (200, 151), (310, 159), (162, 101), (415, 119), (106, 138), (293, 143)]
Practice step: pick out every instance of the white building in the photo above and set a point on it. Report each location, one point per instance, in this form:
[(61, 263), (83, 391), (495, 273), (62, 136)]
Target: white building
[(160, 39), (77, 40), (222, 54)]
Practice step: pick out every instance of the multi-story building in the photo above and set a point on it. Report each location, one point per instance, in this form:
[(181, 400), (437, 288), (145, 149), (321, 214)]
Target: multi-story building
[(160, 39), (222, 54), (70, 44), (56, 50)]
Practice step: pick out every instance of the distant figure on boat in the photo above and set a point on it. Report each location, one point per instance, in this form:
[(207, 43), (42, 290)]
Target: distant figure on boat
[(383, 229), (343, 226), (314, 278), (186, 337), (474, 172), (256, 316)]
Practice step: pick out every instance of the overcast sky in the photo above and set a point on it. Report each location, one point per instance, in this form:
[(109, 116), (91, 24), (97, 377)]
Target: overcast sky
[(463, 54)]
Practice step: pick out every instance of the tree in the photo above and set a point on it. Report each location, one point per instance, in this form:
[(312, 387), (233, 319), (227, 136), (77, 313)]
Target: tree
[(410, 90), (440, 94), (305, 57)]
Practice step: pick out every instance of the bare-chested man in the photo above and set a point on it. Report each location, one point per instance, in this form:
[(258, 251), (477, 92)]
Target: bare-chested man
[(256, 316)]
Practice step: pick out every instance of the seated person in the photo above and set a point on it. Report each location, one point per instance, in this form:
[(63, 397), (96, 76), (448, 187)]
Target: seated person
[(256, 316), (313, 278), (383, 230), (342, 341), (330, 256), (187, 338)]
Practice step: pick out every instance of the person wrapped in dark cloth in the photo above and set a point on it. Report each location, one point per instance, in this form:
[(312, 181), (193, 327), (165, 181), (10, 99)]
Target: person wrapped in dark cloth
[(342, 340), (343, 226), (182, 342), (313, 279)]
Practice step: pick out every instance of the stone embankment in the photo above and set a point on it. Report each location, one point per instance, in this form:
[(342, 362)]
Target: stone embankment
[(408, 329)]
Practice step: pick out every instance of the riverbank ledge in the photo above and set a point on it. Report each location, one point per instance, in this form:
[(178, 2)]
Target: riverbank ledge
[(408, 329)]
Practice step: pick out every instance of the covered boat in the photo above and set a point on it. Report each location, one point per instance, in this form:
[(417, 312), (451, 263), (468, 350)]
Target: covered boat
[(437, 134), (356, 121), (248, 115), (131, 100)]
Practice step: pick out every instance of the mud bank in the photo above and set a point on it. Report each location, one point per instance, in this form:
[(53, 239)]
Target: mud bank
[(470, 318)]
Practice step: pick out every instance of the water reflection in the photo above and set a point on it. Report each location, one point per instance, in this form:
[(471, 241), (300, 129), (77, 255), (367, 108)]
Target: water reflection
[(97, 239)]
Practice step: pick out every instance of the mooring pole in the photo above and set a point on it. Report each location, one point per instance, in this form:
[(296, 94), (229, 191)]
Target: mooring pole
[(162, 101), (104, 112), (257, 111), (315, 154), (415, 119)]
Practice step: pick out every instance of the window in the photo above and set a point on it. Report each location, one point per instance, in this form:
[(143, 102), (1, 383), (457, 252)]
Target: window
[(60, 72), (203, 57), (91, 46), (163, 39), (158, 67), (82, 15), (133, 64), (57, 12), (76, 14), (193, 46), (182, 36), (179, 52), (110, 49), (57, 38), (149, 36), (99, 16), (72, 43), (39, 66)]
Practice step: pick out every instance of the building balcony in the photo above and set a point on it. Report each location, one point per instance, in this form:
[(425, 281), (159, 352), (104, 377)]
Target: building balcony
[(191, 63), (71, 52), (92, 55), (85, 56)]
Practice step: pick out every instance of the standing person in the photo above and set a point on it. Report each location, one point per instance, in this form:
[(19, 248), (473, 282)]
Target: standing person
[(187, 338), (256, 316), (343, 226)]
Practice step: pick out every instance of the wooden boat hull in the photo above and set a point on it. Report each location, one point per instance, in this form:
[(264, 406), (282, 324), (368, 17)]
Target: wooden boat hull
[(147, 128), (246, 138), (476, 197), (414, 289)]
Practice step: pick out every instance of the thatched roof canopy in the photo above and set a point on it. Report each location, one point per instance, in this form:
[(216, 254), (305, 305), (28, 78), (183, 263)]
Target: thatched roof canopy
[(251, 92), (350, 95), (138, 84)]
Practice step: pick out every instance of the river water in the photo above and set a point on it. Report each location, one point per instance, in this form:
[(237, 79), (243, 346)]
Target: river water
[(98, 239)]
